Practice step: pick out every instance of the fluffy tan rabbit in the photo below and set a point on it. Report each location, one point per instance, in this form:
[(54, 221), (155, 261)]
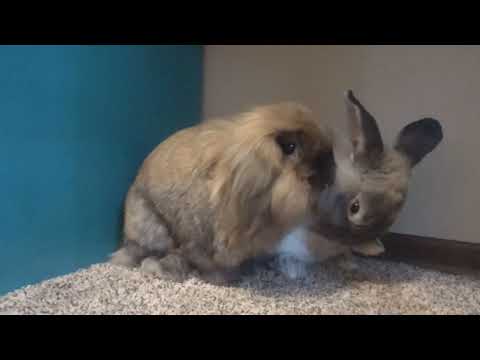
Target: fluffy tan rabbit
[(216, 195), (368, 188)]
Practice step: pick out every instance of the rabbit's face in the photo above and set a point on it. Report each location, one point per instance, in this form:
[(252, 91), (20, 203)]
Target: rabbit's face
[(369, 181), (263, 170)]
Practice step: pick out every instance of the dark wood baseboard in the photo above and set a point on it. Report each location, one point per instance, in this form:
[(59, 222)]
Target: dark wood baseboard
[(432, 253)]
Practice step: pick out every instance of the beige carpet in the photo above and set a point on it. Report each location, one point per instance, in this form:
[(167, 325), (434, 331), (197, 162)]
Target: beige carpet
[(377, 287)]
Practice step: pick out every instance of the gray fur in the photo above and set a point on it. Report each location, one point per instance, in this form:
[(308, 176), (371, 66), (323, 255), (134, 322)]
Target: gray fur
[(418, 139), (372, 174)]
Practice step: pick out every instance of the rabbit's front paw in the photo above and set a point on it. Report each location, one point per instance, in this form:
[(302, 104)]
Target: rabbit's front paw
[(370, 248), (171, 267)]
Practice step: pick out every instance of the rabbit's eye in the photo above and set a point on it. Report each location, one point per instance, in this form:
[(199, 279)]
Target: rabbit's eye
[(287, 144), (355, 207), (289, 148)]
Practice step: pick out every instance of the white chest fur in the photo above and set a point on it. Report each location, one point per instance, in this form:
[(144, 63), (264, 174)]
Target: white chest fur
[(295, 245), (295, 255)]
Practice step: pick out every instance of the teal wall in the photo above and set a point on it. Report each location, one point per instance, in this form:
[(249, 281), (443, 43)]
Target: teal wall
[(75, 124)]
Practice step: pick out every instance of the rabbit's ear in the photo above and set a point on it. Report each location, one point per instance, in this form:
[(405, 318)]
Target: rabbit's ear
[(418, 139), (365, 137)]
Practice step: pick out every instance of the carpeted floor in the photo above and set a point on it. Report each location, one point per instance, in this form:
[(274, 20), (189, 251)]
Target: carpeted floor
[(377, 287)]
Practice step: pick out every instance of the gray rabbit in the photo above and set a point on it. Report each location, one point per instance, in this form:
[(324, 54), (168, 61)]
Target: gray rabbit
[(367, 189)]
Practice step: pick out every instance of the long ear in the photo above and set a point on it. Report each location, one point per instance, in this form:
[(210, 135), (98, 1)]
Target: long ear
[(364, 133), (243, 178), (418, 139)]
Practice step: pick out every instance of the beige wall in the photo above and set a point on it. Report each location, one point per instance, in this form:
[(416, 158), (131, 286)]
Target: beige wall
[(398, 84)]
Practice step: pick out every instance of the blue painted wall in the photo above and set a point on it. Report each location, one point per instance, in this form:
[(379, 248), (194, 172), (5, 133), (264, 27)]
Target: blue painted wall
[(75, 124)]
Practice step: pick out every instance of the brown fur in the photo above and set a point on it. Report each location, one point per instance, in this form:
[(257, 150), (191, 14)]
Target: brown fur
[(215, 195)]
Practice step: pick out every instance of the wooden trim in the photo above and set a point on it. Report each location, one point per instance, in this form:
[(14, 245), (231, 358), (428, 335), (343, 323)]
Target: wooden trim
[(437, 254)]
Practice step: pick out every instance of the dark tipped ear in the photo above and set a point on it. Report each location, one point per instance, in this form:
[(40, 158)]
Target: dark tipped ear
[(419, 138), (365, 134)]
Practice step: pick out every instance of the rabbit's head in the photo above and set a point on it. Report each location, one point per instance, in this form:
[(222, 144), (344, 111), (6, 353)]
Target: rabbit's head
[(262, 169), (369, 181)]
